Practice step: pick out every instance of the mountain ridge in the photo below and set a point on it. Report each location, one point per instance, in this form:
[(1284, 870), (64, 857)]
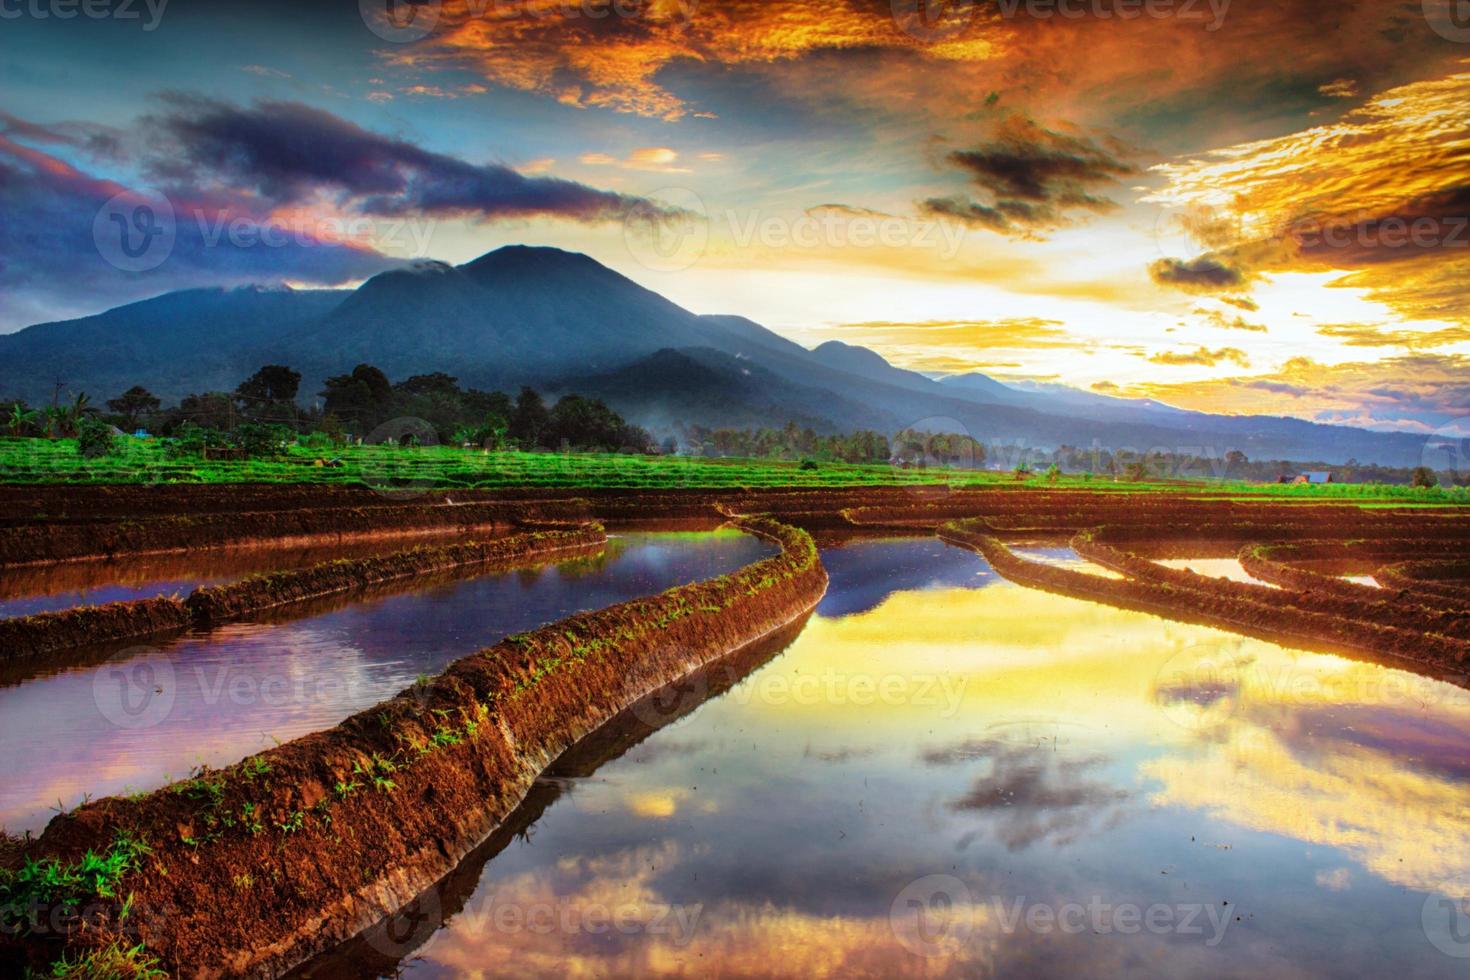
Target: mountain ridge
[(562, 321)]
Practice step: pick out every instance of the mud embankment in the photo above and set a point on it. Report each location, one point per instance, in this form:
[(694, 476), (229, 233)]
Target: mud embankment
[(50, 632), (1214, 602), (254, 868), (47, 633), (44, 542)]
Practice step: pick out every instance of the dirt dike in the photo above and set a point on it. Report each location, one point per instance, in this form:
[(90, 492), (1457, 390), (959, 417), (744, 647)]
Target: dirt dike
[(211, 606), (254, 868), (45, 543), (1211, 602), (1448, 579), (53, 632), (1396, 610), (50, 632)]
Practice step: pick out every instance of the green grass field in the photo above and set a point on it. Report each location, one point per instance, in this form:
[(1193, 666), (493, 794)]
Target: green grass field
[(57, 461)]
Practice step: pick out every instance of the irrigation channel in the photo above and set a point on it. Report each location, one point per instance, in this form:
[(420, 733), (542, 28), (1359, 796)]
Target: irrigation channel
[(151, 713), (947, 774)]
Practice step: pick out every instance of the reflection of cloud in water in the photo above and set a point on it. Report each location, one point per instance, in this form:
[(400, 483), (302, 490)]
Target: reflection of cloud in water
[(1032, 793)]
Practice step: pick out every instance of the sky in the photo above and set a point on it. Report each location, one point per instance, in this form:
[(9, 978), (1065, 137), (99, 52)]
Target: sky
[(1238, 206)]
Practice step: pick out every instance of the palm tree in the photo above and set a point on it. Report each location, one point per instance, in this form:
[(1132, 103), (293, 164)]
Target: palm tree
[(70, 418), (53, 420), (21, 418)]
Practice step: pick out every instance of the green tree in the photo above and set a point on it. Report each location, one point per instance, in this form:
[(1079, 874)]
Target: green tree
[(1424, 478), (365, 396), (21, 419), (134, 402), (529, 420)]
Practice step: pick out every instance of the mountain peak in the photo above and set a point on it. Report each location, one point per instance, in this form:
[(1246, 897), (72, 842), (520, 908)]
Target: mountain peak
[(514, 258)]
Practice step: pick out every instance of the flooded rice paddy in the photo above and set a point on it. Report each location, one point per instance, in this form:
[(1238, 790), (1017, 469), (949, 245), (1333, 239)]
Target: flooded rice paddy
[(941, 774), (945, 774), (155, 711)]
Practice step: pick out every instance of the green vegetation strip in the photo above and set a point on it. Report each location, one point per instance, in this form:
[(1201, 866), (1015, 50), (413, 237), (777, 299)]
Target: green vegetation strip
[(58, 461)]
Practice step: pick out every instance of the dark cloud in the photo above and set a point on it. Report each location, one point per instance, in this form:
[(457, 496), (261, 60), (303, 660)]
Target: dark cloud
[(291, 153), (1033, 178), (1030, 793), (53, 266), (1202, 275)]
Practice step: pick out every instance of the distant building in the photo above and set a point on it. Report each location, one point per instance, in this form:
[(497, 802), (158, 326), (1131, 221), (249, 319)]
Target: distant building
[(1314, 476)]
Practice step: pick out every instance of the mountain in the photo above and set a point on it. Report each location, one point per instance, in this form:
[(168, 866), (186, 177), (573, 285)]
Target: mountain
[(563, 322)]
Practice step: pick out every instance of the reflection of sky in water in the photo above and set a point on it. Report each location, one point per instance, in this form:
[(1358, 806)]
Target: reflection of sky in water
[(1063, 557), (1037, 748), (219, 697), (1227, 568)]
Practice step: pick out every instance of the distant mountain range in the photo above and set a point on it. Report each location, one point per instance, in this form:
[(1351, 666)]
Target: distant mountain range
[(563, 322)]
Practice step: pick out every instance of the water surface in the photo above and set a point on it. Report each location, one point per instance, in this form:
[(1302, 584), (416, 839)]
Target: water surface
[(948, 775), (156, 711)]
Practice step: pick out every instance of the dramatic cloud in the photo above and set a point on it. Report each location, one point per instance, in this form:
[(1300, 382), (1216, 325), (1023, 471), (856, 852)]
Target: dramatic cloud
[(1201, 275), (1223, 321), (1033, 178), (290, 153), (1381, 196), (1414, 393), (1201, 357), (56, 251), (1372, 335), (278, 192)]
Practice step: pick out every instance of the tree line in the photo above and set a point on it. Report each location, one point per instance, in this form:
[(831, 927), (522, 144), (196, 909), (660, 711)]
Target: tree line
[(361, 405)]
